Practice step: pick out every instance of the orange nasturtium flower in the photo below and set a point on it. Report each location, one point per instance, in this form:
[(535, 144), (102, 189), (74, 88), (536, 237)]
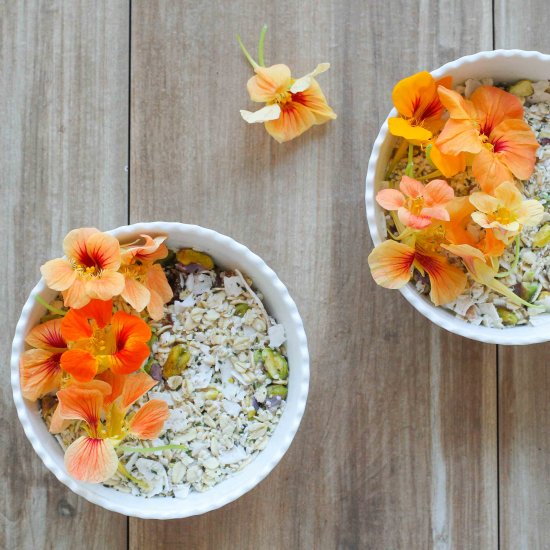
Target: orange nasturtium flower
[(292, 105), (90, 269), (145, 283), (392, 264), (419, 107), (490, 126), (417, 204), (40, 367), (461, 229), (92, 457), (98, 340), (506, 211)]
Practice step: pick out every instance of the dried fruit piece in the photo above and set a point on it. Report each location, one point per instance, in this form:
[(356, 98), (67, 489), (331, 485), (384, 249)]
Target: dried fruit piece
[(188, 256), (542, 238), (277, 390), (275, 364), (176, 362), (241, 309), (522, 88), (508, 317)]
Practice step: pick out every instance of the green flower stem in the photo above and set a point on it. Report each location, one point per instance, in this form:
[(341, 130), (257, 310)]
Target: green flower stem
[(399, 153), (409, 170), (247, 55), (433, 174), (128, 475), (49, 307), (261, 46), (126, 449), (514, 263)]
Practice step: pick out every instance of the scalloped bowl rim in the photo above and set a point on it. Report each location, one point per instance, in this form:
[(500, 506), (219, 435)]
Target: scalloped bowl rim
[(510, 336), (251, 474)]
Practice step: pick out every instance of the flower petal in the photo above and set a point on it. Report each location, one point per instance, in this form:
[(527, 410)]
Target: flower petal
[(47, 336), (482, 220), (58, 274), (115, 382), (516, 145), (411, 132), (131, 334), (459, 136), (75, 327), (106, 286), (304, 82), (456, 230), (411, 187), (268, 83), (81, 403), (149, 420), (448, 165), (295, 119), (269, 112), (390, 199), (135, 386), (150, 250), (436, 213), (489, 170), (104, 251), (76, 296), (458, 107), (314, 100), (136, 294), (101, 311), (74, 244), (484, 202), (80, 364), (39, 372), (447, 281), (413, 220), (92, 460), (57, 422), (156, 282), (413, 94), (391, 264), (494, 105), (530, 213), (155, 307), (438, 193)]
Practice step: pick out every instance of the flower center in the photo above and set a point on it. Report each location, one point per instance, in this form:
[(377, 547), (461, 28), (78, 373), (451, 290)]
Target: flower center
[(101, 342), (283, 97), (415, 205), (504, 216)]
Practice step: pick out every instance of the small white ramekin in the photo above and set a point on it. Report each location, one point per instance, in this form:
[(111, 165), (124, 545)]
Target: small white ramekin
[(503, 66), (227, 253)]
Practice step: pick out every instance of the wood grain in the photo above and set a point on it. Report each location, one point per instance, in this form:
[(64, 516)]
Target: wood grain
[(398, 446), (524, 377), (63, 151)]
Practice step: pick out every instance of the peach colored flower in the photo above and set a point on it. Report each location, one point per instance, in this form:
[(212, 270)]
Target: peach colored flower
[(419, 107), (507, 211), (92, 457), (490, 126), (99, 340), (40, 368), (145, 283), (416, 204), (90, 269), (292, 106)]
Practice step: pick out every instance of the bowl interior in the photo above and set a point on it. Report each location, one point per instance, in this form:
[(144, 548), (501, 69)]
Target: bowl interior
[(503, 66), (226, 253)]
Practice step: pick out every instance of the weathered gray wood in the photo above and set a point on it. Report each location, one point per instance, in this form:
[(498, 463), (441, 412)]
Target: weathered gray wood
[(398, 446), (63, 151), (524, 377)]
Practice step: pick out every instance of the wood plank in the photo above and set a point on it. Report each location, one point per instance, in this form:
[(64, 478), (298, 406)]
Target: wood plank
[(63, 151), (398, 445), (524, 378)]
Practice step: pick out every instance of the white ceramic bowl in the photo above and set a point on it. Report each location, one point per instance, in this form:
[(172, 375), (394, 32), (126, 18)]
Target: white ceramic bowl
[(503, 66), (227, 253)]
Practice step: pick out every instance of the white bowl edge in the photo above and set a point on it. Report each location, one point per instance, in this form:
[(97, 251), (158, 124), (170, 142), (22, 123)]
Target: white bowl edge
[(503, 66), (230, 489)]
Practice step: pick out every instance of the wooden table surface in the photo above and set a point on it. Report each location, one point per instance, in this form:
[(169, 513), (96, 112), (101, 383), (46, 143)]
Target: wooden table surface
[(116, 111)]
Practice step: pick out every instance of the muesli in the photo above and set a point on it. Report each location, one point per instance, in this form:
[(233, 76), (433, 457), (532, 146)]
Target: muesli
[(467, 195), (163, 381)]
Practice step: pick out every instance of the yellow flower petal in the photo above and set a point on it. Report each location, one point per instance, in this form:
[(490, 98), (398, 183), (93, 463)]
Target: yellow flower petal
[(268, 83), (304, 82), (269, 112), (403, 128)]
